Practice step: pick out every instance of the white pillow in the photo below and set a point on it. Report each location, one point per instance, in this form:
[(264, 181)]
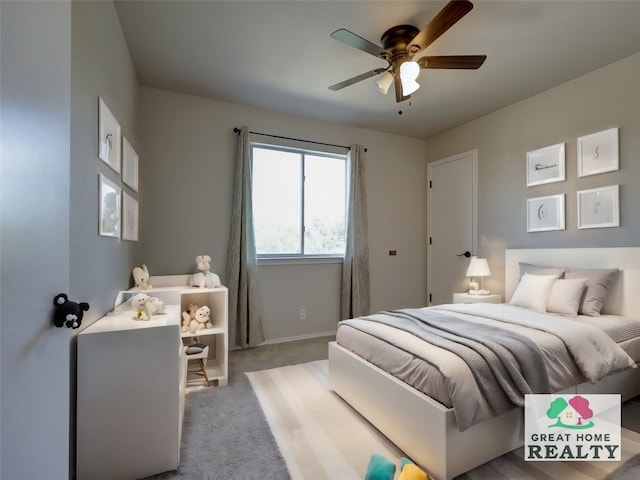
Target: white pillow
[(565, 296), (533, 291)]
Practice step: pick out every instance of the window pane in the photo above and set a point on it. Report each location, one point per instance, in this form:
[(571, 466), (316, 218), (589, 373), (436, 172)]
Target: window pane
[(324, 205), (277, 201)]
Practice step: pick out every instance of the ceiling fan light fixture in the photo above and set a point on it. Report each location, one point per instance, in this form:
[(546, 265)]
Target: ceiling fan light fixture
[(409, 71), (384, 82), (409, 87)]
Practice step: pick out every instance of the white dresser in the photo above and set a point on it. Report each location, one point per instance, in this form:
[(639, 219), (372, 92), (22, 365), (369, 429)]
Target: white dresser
[(130, 396)]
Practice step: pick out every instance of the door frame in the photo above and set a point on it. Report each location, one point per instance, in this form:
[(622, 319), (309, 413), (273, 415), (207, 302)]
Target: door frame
[(474, 209)]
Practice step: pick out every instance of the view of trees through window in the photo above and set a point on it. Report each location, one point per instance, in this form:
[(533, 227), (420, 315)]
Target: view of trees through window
[(299, 201)]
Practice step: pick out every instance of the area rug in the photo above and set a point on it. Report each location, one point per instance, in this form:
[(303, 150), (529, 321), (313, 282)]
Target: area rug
[(322, 437)]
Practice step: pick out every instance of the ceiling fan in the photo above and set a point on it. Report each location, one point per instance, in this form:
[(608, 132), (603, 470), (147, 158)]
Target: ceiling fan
[(403, 42)]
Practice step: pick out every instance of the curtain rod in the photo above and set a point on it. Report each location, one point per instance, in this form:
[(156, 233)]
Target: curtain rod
[(237, 130)]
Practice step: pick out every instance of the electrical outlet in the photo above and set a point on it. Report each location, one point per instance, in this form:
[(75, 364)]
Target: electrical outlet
[(302, 314)]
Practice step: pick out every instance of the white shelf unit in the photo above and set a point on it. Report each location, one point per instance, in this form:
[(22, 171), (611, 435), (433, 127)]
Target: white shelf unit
[(176, 289), (217, 363), (130, 395)]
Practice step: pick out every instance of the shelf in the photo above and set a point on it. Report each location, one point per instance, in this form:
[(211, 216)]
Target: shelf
[(204, 332), (182, 294)]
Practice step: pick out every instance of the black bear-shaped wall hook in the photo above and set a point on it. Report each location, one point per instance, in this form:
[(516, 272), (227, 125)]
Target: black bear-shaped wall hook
[(68, 314)]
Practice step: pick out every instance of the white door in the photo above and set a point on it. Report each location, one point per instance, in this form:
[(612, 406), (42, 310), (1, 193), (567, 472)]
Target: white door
[(451, 224)]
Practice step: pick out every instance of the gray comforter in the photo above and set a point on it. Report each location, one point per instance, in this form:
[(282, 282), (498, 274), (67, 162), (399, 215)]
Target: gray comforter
[(493, 342), (505, 364)]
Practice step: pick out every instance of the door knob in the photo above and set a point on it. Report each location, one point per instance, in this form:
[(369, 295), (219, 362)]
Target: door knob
[(465, 254)]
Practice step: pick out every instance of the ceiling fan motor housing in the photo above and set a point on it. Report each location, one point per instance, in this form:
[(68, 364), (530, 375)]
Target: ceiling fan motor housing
[(397, 39)]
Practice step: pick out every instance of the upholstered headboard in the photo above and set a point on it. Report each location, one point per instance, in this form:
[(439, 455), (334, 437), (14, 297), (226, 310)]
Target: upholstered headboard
[(624, 297)]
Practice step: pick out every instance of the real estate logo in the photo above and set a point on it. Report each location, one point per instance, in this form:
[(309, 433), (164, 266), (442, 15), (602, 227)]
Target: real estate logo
[(572, 427)]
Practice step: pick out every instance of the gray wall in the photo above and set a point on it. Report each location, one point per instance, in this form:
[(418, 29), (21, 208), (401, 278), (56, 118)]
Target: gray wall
[(57, 57), (189, 148), (101, 67), (606, 98)]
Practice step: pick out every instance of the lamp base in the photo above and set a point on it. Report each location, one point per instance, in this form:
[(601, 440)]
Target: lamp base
[(479, 292), (473, 286)]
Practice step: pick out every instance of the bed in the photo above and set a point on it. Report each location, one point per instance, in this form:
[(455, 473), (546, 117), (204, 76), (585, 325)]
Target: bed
[(426, 429)]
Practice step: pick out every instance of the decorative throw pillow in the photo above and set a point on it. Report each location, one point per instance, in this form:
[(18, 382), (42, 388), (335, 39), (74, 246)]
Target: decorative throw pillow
[(540, 270), (599, 281), (533, 291), (565, 296)]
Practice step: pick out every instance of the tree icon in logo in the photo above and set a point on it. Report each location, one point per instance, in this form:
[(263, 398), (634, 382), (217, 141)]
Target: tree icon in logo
[(570, 414)]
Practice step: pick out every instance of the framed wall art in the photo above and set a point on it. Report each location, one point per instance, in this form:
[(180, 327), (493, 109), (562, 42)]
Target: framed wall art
[(129, 165), (545, 213), (109, 208), (546, 165), (108, 137), (129, 218), (598, 153), (599, 207)]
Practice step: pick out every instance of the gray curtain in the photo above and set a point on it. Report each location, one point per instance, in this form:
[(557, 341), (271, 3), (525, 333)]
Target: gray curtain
[(245, 318), (355, 269)]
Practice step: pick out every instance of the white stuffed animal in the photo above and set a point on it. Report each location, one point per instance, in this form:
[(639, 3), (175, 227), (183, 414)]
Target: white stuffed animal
[(141, 277), (196, 318), (204, 278), (146, 306)]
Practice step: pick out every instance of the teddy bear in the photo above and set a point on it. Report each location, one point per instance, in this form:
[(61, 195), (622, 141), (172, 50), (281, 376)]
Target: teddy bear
[(196, 318), (141, 277), (188, 315), (204, 278), (146, 306), (68, 313)]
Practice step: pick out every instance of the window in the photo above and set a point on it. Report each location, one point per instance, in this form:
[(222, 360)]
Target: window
[(299, 201)]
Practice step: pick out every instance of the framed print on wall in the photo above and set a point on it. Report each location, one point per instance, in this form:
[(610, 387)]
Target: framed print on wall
[(109, 208), (109, 143), (129, 218), (598, 153), (546, 165), (599, 207), (129, 165), (545, 213)]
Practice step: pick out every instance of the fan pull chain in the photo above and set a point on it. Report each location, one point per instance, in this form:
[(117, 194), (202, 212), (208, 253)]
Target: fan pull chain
[(400, 111)]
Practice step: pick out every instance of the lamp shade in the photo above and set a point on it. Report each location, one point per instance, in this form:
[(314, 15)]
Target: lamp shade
[(384, 82), (478, 267), (409, 71)]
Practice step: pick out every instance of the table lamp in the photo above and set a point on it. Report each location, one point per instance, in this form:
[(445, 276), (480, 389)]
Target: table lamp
[(478, 267)]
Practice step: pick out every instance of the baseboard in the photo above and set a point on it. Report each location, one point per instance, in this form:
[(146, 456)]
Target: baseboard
[(300, 337)]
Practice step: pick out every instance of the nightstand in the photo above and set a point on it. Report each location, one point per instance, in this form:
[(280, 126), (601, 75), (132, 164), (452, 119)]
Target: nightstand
[(467, 298)]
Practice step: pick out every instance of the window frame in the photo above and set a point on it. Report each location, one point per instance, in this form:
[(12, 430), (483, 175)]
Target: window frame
[(303, 151)]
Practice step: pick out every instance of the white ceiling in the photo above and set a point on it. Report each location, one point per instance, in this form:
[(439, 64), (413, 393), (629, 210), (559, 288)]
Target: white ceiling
[(278, 55)]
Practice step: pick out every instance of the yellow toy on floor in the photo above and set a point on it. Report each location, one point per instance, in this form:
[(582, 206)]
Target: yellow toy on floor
[(380, 468), (411, 471)]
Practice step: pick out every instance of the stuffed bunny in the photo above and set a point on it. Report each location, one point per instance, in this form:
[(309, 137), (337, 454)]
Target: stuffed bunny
[(204, 278)]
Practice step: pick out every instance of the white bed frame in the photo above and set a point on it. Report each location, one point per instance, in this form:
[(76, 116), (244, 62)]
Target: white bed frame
[(425, 430)]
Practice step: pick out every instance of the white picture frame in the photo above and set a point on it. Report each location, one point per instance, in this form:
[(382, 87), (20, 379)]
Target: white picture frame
[(129, 165), (599, 207), (129, 218), (598, 153), (546, 213), (109, 208), (546, 165), (109, 137)]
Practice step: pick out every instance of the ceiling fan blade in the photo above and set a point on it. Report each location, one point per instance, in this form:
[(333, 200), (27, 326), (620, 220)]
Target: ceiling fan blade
[(356, 41), (357, 78), (397, 84), (470, 62), (448, 16)]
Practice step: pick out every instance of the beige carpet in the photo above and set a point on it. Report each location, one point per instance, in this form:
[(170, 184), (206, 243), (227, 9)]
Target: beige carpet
[(322, 437)]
